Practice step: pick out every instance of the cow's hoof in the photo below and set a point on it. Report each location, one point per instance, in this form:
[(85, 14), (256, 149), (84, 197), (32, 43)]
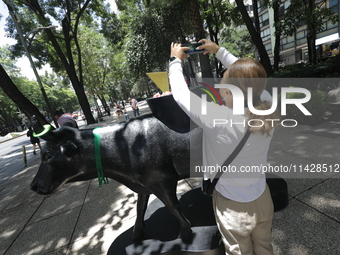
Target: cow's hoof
[(187, 236)]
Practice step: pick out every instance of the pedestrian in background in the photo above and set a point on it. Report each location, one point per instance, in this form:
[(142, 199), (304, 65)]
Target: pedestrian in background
[(126, 114), (65, 119), (134, 107), (34, 140)]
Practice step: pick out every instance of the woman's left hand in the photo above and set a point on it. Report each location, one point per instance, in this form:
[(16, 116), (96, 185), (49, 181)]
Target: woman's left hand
[(178, 51)]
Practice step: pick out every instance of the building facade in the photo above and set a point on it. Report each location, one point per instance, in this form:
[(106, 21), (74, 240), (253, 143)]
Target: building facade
[(293, 49)]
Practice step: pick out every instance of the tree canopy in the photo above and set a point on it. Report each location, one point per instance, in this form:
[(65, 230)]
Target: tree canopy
[(104, 55)]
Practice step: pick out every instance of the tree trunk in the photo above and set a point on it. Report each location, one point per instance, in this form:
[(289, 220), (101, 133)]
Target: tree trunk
[(104, 104), (4, 118), (264, 58), (276, 8), (199, 33), (18, 98), (256, 17), (67, 61), (311, 48), (311, 32)]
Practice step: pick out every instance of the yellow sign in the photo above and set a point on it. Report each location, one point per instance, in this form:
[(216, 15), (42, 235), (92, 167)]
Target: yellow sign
[(160, 79)]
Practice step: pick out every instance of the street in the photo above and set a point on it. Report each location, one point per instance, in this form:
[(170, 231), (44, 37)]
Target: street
[(11, 157)]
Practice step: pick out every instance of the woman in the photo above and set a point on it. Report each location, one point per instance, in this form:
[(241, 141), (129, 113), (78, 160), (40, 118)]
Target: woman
[(242, 202)]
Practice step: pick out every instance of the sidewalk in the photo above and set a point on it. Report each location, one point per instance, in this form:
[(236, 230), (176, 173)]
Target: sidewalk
[(12, 135), (82, 218)]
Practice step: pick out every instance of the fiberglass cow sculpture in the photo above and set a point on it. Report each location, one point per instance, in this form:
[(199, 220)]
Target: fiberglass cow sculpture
[(143, 154)]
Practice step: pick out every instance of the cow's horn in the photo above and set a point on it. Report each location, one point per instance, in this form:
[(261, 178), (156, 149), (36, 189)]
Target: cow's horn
[(45, 132)]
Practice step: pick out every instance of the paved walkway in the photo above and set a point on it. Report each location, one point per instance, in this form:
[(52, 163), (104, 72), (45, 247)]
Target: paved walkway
[(81, 218)]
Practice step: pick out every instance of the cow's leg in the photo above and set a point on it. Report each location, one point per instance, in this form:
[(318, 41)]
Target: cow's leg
[(142, 204), (169, 198)]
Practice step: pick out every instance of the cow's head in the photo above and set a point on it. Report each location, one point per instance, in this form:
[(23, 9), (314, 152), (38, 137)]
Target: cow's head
[(61, 158)]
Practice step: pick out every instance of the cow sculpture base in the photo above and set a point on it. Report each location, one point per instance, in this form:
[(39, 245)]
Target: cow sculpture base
[(161, 227), (160, 234)]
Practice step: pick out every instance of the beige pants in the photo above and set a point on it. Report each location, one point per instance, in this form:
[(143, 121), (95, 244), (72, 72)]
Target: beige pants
[(245, 227)]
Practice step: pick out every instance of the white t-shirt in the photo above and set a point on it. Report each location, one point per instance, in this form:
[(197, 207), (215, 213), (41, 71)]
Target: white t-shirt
[(219, 141)]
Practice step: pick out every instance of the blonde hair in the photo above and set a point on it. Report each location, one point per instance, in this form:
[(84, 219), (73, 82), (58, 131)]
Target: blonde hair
[(245, 73)]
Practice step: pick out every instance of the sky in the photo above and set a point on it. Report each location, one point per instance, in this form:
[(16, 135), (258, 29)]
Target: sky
[(23, 62)]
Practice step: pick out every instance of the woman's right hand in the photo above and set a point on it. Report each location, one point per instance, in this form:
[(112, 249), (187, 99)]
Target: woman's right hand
[(177, 51), (209, 46)]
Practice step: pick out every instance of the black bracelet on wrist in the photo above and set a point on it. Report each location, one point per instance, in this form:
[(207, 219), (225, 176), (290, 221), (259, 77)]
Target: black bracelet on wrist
[(172, 59)]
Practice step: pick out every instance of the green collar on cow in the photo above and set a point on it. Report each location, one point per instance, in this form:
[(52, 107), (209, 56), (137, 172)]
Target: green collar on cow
[(98, 159), (47, 128)]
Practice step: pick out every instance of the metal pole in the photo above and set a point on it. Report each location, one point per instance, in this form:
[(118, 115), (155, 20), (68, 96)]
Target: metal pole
[(193, 80), (24, 154), (11, 12)]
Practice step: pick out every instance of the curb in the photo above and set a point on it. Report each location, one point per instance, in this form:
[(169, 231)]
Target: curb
[(11, 138)]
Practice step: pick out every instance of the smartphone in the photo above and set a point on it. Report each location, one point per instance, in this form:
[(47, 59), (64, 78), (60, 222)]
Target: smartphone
[(193, 49)]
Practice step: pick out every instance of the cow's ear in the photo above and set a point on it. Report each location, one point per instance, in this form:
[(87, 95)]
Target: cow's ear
[(59, 134), (68, 149), (64, 132)]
